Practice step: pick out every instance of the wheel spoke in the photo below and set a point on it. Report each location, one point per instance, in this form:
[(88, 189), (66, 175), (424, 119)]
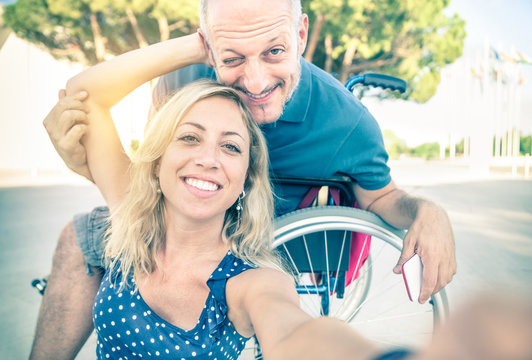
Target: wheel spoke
[(340, 261), (375, 299), (311, 270), (300, 275)]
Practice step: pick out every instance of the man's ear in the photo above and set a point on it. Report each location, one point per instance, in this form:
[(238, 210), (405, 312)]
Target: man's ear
[(207, 47), (302, 34)]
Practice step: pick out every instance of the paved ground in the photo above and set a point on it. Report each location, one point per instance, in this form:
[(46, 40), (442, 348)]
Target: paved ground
[(492, 220)]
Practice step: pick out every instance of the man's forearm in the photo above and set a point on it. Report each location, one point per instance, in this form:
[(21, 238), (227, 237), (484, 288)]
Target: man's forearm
[(400, 209)]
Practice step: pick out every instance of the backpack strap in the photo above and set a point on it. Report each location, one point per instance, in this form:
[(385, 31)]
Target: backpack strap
[(309, 198)]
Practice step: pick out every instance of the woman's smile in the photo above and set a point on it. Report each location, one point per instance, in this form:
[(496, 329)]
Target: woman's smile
[(202, 185)]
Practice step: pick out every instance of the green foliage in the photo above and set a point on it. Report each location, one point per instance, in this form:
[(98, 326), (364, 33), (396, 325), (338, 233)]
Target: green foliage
[(409, 39), (525, 145), (460, 147), (64, 27), (426, 151), (397, 147), (394, 145)]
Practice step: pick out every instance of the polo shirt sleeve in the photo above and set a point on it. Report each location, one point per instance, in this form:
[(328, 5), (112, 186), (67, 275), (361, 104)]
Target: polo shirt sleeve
[(363, 157), (169, 83)]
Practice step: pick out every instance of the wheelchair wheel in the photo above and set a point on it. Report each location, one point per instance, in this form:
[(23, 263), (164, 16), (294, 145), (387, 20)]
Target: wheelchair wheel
[(376, 304)]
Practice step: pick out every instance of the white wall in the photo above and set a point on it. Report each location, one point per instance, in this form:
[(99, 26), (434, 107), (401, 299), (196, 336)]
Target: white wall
[(29, 82)]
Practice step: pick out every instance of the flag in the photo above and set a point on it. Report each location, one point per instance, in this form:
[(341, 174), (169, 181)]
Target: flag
[(522, 58)]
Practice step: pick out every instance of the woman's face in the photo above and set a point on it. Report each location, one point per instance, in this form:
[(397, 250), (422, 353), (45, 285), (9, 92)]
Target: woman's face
[(204, 168)]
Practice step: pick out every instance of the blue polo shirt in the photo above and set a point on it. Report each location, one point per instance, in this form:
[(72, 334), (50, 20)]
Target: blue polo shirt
[(324, 130)]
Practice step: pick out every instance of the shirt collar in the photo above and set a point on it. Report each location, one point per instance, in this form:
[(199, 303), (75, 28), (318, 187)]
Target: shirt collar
[(296, 108)]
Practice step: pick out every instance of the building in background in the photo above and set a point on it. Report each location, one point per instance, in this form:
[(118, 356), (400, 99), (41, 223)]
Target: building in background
[(29, 82)]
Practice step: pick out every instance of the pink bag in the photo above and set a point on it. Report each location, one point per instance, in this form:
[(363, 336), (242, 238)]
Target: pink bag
[(360, 242)]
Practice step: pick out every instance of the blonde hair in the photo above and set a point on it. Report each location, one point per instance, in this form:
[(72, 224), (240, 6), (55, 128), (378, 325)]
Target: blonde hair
[(137, 230)]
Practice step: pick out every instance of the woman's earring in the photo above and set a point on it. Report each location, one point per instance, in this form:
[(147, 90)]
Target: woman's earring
[(239, 204), (159, 192)]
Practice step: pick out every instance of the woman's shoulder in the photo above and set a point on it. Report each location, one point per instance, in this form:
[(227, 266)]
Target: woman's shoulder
[(247, 292), (261, 279)]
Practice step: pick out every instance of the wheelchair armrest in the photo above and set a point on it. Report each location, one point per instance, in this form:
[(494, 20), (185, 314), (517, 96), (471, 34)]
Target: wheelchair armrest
[(341, 182)]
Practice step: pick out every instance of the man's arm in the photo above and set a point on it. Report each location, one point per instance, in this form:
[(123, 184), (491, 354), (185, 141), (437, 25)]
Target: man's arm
[(430, 234)]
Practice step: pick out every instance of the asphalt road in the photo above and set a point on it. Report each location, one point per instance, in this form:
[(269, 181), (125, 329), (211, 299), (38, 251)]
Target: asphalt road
[(492, 221)]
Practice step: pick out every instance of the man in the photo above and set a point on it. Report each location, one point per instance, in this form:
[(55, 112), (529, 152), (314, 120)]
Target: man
[(314, 128)]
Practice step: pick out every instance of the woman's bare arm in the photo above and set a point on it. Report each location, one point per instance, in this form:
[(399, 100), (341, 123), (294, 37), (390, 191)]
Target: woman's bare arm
[(109, 82), (285, 331)]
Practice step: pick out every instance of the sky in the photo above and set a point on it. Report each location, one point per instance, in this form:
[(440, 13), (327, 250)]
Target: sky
[(502, 21), (504, 24)]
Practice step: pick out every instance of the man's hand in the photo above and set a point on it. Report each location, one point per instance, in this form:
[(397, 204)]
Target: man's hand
[(430, 234), (66, 125), (431, 237)]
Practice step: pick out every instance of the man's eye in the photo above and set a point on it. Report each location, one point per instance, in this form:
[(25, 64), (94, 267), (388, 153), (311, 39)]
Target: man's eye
[(232, 61), (276, 51)]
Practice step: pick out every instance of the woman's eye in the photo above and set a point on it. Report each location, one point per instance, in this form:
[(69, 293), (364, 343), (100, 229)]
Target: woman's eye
[(232, 148), (189, 138)]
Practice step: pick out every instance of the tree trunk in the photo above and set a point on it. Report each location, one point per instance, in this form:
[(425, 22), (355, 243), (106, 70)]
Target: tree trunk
[(314, 37), (138, 33), (99, 40), (181, 25), (164, 31), (328, 52), (73, 52), (348, 60)]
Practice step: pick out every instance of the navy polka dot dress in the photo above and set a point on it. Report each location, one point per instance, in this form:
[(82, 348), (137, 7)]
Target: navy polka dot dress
[(128, 329)]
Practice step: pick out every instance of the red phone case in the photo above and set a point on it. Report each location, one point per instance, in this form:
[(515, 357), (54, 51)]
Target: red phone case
[(408, 286)]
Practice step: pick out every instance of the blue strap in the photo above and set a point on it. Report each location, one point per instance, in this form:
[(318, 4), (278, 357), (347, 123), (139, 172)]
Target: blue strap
[(398, 354)]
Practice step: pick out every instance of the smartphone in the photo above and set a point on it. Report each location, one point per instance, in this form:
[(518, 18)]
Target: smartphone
[(413, 277)]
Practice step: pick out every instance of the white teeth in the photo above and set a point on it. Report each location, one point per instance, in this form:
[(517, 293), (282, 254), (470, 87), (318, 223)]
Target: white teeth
[(202, 185), (258, 97)]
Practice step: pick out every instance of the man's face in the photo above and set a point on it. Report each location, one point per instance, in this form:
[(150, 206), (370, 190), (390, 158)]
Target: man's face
[(255, 48)]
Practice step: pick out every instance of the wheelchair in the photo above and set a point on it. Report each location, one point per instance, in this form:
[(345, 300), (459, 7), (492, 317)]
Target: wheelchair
[(316, 241)]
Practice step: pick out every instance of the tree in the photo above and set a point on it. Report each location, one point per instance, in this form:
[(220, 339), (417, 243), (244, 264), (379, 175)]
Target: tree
[(525, 145), (4, 32), (410, 39), (87, 31), (394, 145)]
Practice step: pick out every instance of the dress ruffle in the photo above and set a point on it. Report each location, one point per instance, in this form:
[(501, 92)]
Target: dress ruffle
[(127, 326), (216, 304)]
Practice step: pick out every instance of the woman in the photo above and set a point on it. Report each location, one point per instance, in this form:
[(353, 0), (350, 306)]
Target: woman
[(190, 271)]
